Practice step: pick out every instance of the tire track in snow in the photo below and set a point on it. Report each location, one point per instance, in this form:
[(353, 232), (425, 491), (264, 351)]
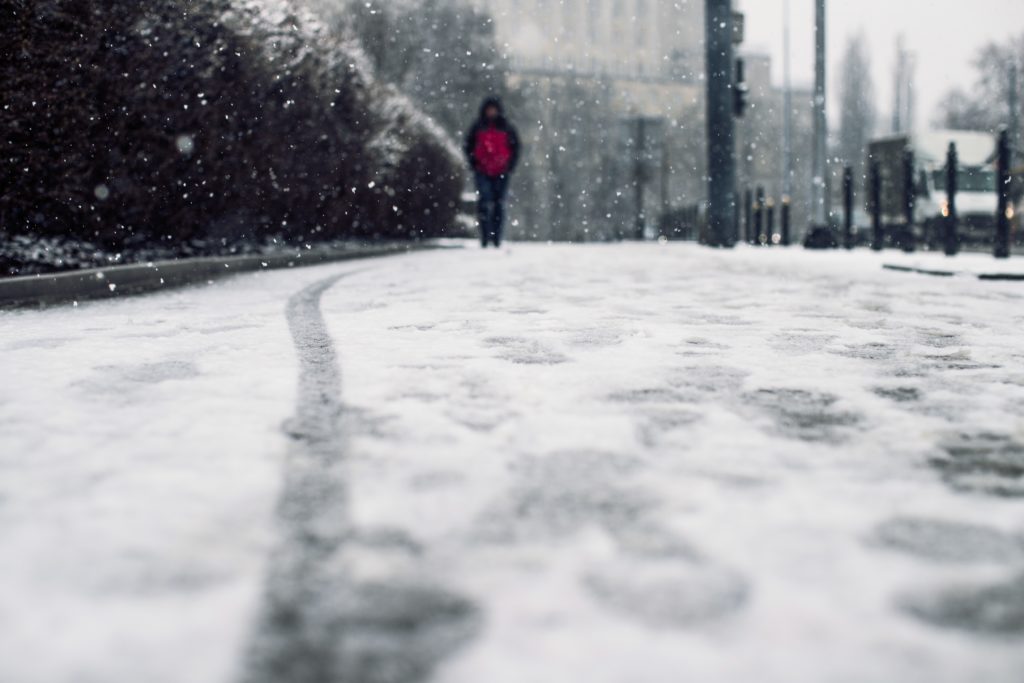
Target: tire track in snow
[(318, 622)]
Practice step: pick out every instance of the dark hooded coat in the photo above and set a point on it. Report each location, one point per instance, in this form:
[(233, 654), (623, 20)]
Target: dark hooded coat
[(482, 124)]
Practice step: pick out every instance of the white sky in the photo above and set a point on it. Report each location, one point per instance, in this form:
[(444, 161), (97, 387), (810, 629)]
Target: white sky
[(944, 34)]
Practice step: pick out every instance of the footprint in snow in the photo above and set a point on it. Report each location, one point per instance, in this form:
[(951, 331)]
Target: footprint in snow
[(995, 609), (949, 542)]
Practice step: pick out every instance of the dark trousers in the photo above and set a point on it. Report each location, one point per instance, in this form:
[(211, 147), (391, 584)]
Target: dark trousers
[(491, 207)]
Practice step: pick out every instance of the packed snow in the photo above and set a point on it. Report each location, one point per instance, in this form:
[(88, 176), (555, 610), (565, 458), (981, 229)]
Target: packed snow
[(552, 463)]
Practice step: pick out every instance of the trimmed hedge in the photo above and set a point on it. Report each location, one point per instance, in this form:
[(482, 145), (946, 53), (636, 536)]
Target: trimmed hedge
[(165, 121)]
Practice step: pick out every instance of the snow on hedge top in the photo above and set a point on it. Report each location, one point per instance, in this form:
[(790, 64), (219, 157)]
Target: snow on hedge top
[(285, 28)]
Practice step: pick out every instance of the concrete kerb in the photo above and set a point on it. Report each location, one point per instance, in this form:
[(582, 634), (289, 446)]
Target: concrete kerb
[(952, 273), (115, 281)]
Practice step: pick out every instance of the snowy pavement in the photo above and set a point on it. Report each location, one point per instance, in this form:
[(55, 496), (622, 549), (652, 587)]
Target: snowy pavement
[(608, 463)]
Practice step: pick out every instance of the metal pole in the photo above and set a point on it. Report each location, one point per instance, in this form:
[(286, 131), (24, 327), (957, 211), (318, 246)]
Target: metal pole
[(1015, 140), (848, 207), (743, 133), (897, 109), (787, 104), (1014, 112), (721, 126), (748, 215), (820, 124), (1002, 244), (907, 241), (759, 217), (739, 100), (877, 231), (952, 240), (735, 234), (666, 202), (639, 177), (785, 222), (770, 222)]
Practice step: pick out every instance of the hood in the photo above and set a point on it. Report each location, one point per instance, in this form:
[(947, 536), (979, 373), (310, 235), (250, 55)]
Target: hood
[(492, 102)]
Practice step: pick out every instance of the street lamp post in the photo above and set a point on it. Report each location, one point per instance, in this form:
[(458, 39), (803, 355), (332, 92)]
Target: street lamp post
[(787, 120), (721, 126), (820, 123), (1014, 121)]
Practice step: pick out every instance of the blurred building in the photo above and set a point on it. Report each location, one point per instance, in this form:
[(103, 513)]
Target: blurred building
[(652, 49)]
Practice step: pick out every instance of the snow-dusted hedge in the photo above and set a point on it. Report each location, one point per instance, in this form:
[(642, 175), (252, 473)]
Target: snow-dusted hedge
[(177, 119)]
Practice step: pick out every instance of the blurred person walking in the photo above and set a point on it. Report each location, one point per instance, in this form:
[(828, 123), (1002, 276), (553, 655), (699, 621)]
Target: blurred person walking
[(492, 147)]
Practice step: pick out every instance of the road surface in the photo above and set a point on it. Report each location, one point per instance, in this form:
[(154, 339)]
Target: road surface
[(608, 463)]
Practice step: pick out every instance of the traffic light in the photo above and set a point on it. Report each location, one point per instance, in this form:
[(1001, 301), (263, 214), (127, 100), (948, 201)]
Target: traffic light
[(741, 92)]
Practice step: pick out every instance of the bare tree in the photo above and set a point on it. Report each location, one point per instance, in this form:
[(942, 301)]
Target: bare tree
[(986, 106), (443, 54), (857, 97), (960, 111)]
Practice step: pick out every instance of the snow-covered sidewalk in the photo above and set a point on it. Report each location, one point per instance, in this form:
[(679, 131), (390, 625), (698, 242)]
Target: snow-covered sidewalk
[(608, 463)]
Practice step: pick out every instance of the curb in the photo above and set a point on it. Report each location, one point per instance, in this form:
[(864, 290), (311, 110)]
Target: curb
[(1011, 277), (1006, 277), (920, 271), (116, 281)]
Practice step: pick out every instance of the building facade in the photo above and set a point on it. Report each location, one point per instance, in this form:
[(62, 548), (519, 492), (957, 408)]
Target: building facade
[(634, 39)]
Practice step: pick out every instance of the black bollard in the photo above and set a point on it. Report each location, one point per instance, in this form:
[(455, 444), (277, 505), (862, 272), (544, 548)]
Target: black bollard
[(848, 207), (748, 215), (759, 217), (770, 222), (952, 239), (877, 231), (786, 240), (1002, 245)]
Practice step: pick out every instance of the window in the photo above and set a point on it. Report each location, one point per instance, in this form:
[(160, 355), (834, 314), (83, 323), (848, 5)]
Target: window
[(640, 23), (569, 17), (594, 21)]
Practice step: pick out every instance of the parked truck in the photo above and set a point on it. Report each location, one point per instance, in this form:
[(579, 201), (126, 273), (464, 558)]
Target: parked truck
[(924, 157)]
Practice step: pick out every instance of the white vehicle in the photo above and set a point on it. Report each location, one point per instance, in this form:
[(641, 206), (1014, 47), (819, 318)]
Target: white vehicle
[(976, 198)]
